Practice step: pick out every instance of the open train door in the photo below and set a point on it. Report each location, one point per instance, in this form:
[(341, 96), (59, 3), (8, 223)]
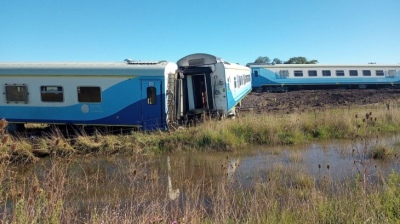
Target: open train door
[(152, 109), (197, 84)]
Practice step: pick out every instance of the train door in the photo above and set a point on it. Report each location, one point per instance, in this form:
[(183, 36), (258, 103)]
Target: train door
[(152, 101), (199, 92)]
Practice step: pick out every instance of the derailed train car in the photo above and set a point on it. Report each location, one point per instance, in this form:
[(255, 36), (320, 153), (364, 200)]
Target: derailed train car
[(210, 85), (143, 95)]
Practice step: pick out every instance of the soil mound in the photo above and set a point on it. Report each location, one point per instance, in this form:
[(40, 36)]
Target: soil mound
[(304, 100)]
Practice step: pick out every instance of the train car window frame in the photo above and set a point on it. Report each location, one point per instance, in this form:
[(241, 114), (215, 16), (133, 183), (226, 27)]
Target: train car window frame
[(312, 73), (16, 93), (283, 73), (353, 73), (89, 94), (255, 73), (339, 72), (151, 95), (392, 73), (379, 73), (366, 72), (52, 94), (298, 73), (326, 72)]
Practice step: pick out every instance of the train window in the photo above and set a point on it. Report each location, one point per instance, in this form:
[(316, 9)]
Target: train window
[(151, 95), (283, 73), (298, 73), (234, 81), (366, 72), (379, 73), (52, 93), (256, 73), (392, 73), (17, 93), (312, 73), (326, 73), (89, 94), (353, 73), (339, 73)]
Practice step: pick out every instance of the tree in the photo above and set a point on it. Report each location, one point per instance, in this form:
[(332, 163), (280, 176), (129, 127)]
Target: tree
[(262, 60), (277, 61), (300, 60)]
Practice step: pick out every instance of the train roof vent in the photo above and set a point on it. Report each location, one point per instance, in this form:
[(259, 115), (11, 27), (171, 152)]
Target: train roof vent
[(197, 61), (133, 62)]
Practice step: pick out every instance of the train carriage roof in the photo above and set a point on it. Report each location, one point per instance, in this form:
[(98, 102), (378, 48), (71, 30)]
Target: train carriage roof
[(127, 68), (201, 59)]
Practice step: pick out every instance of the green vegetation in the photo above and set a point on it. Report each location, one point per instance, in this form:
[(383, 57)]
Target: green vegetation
[(65, 190), (292, 60), (251, 128)]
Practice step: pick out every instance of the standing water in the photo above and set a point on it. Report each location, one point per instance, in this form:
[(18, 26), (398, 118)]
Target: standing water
[(135, 184)]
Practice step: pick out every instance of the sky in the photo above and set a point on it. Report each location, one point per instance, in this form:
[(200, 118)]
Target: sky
[(239, 31)]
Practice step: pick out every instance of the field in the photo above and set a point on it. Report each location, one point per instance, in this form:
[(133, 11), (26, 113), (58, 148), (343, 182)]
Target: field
[(306, 100), (71, 185)]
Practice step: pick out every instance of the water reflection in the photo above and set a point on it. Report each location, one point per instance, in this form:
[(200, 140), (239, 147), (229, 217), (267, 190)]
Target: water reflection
[(231, 165), (334, 159), (172, 193), (115, 179)]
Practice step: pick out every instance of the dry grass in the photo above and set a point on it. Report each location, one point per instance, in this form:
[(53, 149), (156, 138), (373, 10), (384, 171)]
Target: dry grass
[(225, 135), (81, 192)]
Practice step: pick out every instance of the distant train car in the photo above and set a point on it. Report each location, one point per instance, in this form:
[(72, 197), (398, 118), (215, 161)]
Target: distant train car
[(212, 85), (144, 95), (284, 77)]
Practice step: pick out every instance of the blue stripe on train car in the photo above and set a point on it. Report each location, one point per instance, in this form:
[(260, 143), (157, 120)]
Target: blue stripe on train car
[(232, 101), (121, 105), (268, 77)]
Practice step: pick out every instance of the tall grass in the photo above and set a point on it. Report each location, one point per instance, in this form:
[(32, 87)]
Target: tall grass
[(67, 192), (250, 128), (297, 128)]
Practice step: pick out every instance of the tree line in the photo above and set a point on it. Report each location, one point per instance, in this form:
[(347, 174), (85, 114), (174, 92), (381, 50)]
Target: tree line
[(292, 60)]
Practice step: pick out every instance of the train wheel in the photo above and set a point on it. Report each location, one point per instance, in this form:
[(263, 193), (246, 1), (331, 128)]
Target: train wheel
[(13, 128)]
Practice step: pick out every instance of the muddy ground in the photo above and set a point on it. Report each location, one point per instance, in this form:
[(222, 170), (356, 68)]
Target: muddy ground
[(305, 100)]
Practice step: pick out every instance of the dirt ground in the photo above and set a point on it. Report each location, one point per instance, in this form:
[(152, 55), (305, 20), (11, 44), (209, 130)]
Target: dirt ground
[(304, 100)]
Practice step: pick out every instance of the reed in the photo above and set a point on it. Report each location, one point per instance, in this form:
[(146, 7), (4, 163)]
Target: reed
[(70, 192)]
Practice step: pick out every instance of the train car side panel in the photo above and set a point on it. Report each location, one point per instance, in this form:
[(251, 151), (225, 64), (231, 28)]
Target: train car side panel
[(238, 85), (282, 77), (114, 94)]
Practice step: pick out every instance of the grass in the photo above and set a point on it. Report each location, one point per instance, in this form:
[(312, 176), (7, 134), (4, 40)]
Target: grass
[(226, 135), (70, 192), (61, 190)]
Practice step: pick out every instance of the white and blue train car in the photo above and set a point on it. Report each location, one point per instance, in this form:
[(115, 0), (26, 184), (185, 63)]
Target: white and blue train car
[(284, 77), (114, 94), (144, 95), (211, 85)]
